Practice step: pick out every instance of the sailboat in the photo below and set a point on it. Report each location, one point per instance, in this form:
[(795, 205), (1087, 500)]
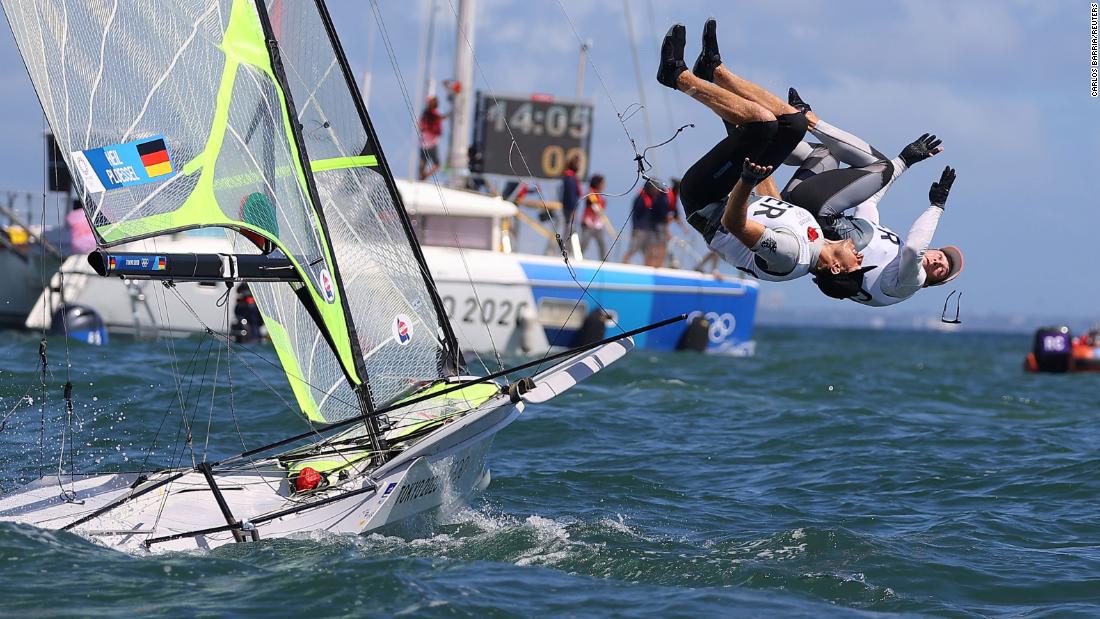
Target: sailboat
[(243, 115)]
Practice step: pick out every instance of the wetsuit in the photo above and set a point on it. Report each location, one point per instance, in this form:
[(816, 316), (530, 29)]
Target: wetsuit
[(894, 271), (788, 249)]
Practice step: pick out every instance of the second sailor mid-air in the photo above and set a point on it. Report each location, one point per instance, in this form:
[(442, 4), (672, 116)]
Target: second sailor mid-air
[(826, 220)]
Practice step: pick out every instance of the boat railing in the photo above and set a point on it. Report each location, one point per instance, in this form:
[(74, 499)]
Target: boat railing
[(703, 261)]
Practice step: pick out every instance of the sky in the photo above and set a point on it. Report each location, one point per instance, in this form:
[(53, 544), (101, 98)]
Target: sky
[(1005, 84)]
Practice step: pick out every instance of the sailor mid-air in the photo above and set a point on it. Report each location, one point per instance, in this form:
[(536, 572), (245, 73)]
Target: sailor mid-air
[(809, 230), (845, 202)]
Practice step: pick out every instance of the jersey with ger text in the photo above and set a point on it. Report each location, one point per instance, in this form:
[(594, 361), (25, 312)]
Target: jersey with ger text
[(882, 248), (782, 217)]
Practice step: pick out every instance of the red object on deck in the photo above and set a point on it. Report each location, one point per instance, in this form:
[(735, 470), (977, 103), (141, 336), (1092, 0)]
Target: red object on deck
[(308, 479)]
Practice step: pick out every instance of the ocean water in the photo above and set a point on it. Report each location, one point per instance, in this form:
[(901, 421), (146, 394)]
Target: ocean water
[(837, 473)]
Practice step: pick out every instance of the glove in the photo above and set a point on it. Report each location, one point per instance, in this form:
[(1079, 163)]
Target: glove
[(937, 195), (753, 174), (922, 148)]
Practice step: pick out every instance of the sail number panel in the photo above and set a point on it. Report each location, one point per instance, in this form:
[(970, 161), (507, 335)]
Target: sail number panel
[(122, 165)]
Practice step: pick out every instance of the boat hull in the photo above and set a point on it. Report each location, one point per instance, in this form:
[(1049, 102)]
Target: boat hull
[(449, 473), (517, 303), (178, 510), (23, 277), (522, 303)]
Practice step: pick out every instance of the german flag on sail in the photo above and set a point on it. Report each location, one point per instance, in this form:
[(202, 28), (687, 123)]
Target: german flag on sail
[(154, 156)]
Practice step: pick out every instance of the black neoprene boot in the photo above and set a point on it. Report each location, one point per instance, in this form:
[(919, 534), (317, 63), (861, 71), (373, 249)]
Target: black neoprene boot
[(796, 101), (709, 59), (672, 56)]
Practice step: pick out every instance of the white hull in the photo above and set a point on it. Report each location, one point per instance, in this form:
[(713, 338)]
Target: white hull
[(447, 465), (406, 488), (137, 308), (23, 278)]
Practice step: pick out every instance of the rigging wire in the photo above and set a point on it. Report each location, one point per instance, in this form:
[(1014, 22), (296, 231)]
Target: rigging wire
[(637, 69), (67, 430), (185, 425), (232, 402), (168, 411), (214, 384), (44, 362), (665, 100), (384, 32), (643, 167), (211, 332), (213, 335)]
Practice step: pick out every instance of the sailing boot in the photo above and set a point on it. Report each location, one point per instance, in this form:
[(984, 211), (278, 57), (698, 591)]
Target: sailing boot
[(672, 56), (709, 59), (796, 101)]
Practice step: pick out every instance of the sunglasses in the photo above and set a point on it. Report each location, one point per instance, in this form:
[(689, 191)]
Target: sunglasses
[(958, 307)]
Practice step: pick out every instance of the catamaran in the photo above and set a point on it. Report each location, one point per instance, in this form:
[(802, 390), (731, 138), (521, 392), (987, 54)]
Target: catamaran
[(243, 115)]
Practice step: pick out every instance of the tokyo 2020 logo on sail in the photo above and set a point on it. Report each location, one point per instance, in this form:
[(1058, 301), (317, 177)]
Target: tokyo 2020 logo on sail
[(402, 329), (327, 288)]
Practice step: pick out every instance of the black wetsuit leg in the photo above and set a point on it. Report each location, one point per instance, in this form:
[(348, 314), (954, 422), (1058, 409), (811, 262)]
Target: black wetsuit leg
[(767, 143), (819, 160), (830, 193)]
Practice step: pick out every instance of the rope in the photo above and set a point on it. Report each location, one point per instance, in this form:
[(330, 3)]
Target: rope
[(640, 159), (435, 183)]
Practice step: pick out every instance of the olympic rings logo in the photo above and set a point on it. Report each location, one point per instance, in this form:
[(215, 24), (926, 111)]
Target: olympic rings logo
[(721, 326)]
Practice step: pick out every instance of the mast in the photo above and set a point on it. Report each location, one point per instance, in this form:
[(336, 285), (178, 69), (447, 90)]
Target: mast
[(464, 75), (638, 72), (426, 72), (581, 61), (362, 389)]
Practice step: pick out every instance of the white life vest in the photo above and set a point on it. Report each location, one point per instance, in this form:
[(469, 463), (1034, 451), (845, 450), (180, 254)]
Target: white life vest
[(777, 215), (883, 248)]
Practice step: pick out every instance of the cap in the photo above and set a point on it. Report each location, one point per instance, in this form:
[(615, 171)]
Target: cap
[(955, 260), (841, 285)]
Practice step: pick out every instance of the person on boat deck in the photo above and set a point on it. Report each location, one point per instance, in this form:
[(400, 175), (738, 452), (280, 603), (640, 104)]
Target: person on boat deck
[(673, 194), (659, 213), (81, 238), (776, 241), (592, 220), (570, 198), (431, 128), (641, 223), (893, 270)]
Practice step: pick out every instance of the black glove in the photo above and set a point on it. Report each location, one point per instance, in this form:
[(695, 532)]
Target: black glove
[(753, 174), (937, 195), (922, 148)]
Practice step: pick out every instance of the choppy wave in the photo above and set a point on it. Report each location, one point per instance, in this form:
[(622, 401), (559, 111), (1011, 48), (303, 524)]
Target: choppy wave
[(836, 473)]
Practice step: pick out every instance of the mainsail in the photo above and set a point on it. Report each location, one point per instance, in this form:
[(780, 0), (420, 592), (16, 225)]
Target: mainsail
[(180, 114)]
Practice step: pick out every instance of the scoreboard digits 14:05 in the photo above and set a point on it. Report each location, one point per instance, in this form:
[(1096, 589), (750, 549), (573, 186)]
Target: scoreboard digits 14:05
[(547, 132)]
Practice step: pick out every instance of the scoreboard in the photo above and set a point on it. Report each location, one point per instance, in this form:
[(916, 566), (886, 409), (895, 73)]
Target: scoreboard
[(547, 131)]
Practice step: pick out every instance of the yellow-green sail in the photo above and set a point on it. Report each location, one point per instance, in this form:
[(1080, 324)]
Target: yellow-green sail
[(173, 115)]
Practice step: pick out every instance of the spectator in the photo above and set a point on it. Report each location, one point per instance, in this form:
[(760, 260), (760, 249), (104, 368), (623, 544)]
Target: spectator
[(81, 238), (641, 222), (592, 222), (431, 128), (570, 198), (673, 195), (657, 248)]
